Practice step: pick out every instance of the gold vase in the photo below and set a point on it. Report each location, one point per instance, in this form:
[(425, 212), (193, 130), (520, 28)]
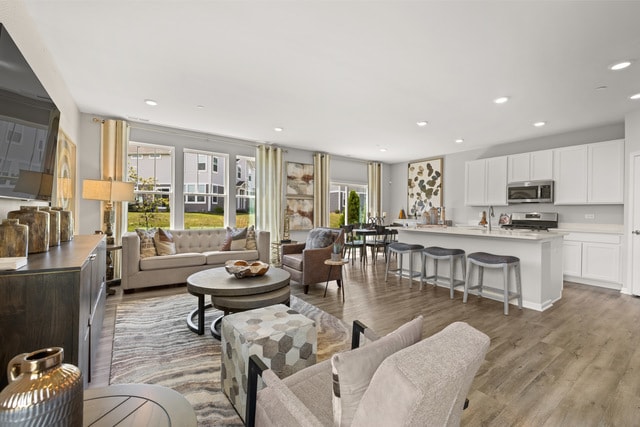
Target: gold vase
[(14, 237), (42, 391), (38, 222), (66, 224)]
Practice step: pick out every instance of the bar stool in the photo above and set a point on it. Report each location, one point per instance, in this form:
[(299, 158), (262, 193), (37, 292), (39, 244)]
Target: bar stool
[(401, 249), (485, 260), (436, 254)]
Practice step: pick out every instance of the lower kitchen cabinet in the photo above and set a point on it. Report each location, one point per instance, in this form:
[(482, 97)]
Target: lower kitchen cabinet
[(56, 300), (593, 258)]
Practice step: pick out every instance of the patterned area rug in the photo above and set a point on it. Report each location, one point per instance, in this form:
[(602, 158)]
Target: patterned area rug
[(152, 345)]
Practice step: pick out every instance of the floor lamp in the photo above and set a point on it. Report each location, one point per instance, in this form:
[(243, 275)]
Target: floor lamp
[(108, 191)]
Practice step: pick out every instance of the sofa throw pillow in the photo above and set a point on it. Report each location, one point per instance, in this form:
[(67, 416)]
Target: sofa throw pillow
[(352, 370), (252, 243), (235, 240), (319, 238), (147, 247), (163, 240)]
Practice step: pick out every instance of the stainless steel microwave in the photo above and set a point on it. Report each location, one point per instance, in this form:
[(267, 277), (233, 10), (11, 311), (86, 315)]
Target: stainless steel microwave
[(530, 192)]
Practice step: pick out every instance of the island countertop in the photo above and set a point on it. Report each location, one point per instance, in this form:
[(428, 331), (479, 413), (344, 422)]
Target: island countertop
[(540, 254), (478, 231)]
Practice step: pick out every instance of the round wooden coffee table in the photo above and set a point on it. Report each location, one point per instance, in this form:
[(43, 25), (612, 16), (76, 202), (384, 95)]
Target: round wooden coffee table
[(137, 404), (230, 294)]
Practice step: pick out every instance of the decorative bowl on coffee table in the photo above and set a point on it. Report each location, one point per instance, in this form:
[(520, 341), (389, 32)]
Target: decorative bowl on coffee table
[(242, 268)]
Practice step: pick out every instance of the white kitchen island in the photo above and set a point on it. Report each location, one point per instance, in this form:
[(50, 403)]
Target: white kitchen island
[(540, 254)]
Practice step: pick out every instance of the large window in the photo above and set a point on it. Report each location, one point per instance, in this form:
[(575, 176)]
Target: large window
[(339, 200), (245, 191), (204, 189), (150, 167)]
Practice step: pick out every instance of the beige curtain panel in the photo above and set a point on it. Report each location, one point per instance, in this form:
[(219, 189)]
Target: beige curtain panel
[(114, 142), (321, 183), (374, 178), (269, 190)]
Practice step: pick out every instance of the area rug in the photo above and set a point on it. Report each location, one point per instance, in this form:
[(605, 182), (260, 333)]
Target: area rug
[(152, 345)]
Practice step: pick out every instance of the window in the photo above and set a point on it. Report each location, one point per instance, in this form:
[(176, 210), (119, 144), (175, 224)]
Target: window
[(245, 191), (191, 193), (339, 200), (150, 167), (204, 190), (202, 163)]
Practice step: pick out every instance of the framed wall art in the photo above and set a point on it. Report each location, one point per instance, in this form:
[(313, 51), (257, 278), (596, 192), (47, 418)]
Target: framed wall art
[(300, 213), (424, 188), (66, 173), (299, 208), (299, 180)]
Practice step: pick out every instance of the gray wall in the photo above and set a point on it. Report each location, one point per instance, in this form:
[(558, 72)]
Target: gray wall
[(453, 179)]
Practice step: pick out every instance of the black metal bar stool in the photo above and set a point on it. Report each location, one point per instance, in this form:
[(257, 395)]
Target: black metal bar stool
[(436, 254), (401, 249), (485, 260)]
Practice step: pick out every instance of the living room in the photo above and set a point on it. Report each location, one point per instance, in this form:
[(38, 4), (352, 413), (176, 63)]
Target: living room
[(82, 126)]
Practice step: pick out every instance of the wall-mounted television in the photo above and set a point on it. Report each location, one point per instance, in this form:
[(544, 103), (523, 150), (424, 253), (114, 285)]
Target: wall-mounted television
[(29, 123)]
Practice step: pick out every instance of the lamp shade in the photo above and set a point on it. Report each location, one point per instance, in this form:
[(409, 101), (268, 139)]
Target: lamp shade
[(107, 190)]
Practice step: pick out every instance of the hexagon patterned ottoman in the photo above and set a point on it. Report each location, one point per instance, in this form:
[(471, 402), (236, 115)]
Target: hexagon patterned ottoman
[(285, 340)]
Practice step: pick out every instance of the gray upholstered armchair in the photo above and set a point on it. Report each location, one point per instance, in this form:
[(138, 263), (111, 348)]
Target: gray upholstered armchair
[(396, 380), (305, 261)]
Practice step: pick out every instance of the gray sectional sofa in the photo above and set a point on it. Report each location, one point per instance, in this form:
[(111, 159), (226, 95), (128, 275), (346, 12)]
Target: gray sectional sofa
[(196, 250)]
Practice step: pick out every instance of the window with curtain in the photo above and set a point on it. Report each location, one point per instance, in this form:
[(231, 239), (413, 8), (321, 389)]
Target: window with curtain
[(150, 167), (245, 191), (338, 202), (205, 189)]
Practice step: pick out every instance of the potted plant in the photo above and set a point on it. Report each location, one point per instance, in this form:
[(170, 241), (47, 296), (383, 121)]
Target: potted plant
[(336, 252)]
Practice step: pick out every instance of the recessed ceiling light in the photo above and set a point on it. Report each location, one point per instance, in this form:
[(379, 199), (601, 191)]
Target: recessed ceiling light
[(636, 96), (199, 107), (501, 100), (278, 129), (459, 141), (602, 87), (539, 124), (619, 65), (151, 102), (382, 150), (422, 123)]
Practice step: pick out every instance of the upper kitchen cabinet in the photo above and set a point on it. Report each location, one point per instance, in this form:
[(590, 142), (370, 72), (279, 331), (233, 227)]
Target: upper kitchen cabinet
[(534, 166), (589, 174), (486, 182), (605, 172)]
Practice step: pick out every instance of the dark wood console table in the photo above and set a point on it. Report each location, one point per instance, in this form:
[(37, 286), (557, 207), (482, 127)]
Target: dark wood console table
[(57, 299)]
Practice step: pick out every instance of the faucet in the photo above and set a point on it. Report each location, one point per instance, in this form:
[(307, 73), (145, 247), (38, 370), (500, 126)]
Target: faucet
[(491, 215)]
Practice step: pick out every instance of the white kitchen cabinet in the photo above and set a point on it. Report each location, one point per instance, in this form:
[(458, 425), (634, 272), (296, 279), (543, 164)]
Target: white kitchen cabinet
[(570, 175), (486, 182), (605, 172), (572, 258), (534, 166), (589, 174), (592, 258)]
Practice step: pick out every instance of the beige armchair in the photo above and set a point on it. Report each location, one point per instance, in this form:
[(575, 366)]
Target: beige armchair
[(397, 380), (305, 261)]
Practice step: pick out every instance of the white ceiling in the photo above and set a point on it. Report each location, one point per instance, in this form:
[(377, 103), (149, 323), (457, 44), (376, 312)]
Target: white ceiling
[(350, 77)]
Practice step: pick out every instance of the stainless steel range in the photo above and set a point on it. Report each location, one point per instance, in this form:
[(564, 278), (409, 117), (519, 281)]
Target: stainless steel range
[(533, 220)]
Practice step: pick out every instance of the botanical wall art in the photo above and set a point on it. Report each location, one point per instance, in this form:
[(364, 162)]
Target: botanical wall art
[(299, 207), (424, 189)]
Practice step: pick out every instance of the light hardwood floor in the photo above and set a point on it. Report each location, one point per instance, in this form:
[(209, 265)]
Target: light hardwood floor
[(578, 363)]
